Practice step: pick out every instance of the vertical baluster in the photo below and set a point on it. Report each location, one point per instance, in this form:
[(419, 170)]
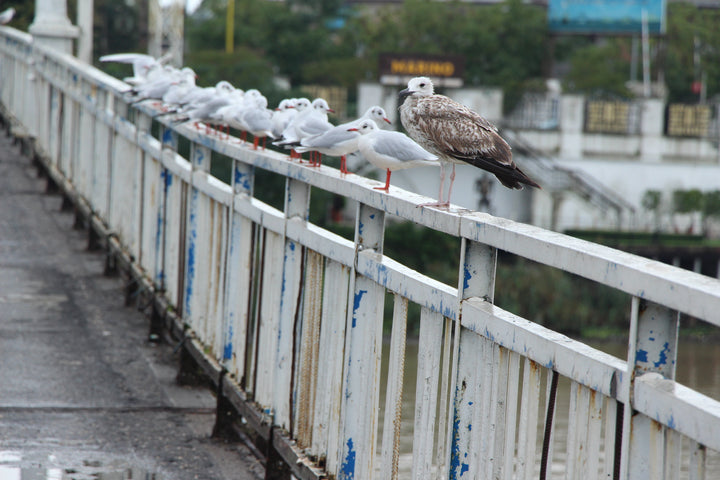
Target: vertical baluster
[(329, 386), (595, 419), (428, 375), (511, 413), (611, 406), (238, 287), (571, 471), (673, 454), (527, 434), (363, 347), (500, 385), (297, 204), (698, 458), (390, 453), (440, 451), (309, 349)]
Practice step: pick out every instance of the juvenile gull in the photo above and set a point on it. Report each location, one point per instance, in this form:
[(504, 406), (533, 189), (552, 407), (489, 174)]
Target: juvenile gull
[(456, 134), (390, 150)]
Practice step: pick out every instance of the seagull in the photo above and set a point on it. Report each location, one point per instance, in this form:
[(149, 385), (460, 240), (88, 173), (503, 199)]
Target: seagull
[(282, 115), (457, 135), (310, 121), (7, 15), (142, 64), (341, 141), (390, 150)]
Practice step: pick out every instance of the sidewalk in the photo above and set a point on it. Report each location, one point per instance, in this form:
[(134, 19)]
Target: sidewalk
[(81, 388)]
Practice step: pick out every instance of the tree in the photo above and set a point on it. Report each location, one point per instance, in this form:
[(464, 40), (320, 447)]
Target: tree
[(651, 201)]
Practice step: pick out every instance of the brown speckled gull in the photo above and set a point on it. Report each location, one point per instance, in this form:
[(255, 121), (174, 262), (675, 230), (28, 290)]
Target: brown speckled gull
[(456, 134)]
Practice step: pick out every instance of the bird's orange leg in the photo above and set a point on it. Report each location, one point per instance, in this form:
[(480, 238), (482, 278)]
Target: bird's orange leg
[(386, 188)]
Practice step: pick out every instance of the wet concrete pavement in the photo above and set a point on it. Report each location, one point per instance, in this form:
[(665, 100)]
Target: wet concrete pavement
[(81, 388)]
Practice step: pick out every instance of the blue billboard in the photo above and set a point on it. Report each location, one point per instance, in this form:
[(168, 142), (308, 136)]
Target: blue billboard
[(606, 16)]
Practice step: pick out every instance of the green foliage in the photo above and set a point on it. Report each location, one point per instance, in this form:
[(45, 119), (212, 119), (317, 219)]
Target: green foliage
[(687, 201), (559, 300), (601, 67), (243, 68), (711, 204), (691, 30), (651, 200)]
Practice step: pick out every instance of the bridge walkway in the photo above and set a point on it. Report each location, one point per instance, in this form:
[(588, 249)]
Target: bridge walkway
[(81, 386)]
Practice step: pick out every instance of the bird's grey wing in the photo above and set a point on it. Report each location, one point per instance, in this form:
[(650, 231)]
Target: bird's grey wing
[(315, 126), (330, 138), (400, 146)]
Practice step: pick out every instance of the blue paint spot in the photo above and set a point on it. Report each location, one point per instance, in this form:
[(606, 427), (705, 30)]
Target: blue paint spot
[(292, 246), (641, 356), (361, 226), (671, 422), (466, 277), (227, 352), (455, 448), (663, 358), (372, 217), (652, 339), (550, 365), (168, 137), (464, 468), (470, 427), (242, 179), (356, 305), (347, 469)]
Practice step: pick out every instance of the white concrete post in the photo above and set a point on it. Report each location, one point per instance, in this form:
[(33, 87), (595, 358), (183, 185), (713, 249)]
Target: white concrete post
[(51, 26), (85, 25), (651, 128), (572, 122)]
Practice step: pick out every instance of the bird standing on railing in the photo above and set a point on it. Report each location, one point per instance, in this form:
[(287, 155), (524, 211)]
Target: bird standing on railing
[(457, 135), (340, 141), (390, 150), (310, 121)]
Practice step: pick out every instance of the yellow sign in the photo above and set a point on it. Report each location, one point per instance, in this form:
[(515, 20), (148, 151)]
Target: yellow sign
[(421, 67)]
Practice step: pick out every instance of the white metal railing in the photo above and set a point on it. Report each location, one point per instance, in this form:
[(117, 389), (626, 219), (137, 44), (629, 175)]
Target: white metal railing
[(294, 312)]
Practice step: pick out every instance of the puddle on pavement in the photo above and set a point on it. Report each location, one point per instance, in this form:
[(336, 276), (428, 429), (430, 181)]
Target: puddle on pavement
[(14, 466)]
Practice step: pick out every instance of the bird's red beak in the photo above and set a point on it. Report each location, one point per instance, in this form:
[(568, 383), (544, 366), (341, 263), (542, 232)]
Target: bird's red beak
[(352, 129), (387, 120)]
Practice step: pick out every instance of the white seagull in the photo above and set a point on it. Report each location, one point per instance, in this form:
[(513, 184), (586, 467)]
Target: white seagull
[(310, 121), (7, 15), (341, 141), (456, 134), (390, 150)]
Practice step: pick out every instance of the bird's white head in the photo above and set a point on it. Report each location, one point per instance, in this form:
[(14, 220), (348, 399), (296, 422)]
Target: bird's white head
[(418, 86), (321, 105), (365, 127), (378, 114)]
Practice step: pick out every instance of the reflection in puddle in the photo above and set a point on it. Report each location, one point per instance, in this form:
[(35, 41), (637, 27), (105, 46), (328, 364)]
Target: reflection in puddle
[(14, 467)]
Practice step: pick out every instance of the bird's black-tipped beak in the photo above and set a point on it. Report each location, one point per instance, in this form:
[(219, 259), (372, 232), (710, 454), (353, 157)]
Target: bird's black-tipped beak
[(402, 94)]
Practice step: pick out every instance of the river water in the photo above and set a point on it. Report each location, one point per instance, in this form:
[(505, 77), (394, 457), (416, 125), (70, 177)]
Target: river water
[(698, 367)]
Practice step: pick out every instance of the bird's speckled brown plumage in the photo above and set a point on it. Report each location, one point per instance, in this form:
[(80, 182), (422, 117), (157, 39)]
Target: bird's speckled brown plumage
[(456, 133)]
